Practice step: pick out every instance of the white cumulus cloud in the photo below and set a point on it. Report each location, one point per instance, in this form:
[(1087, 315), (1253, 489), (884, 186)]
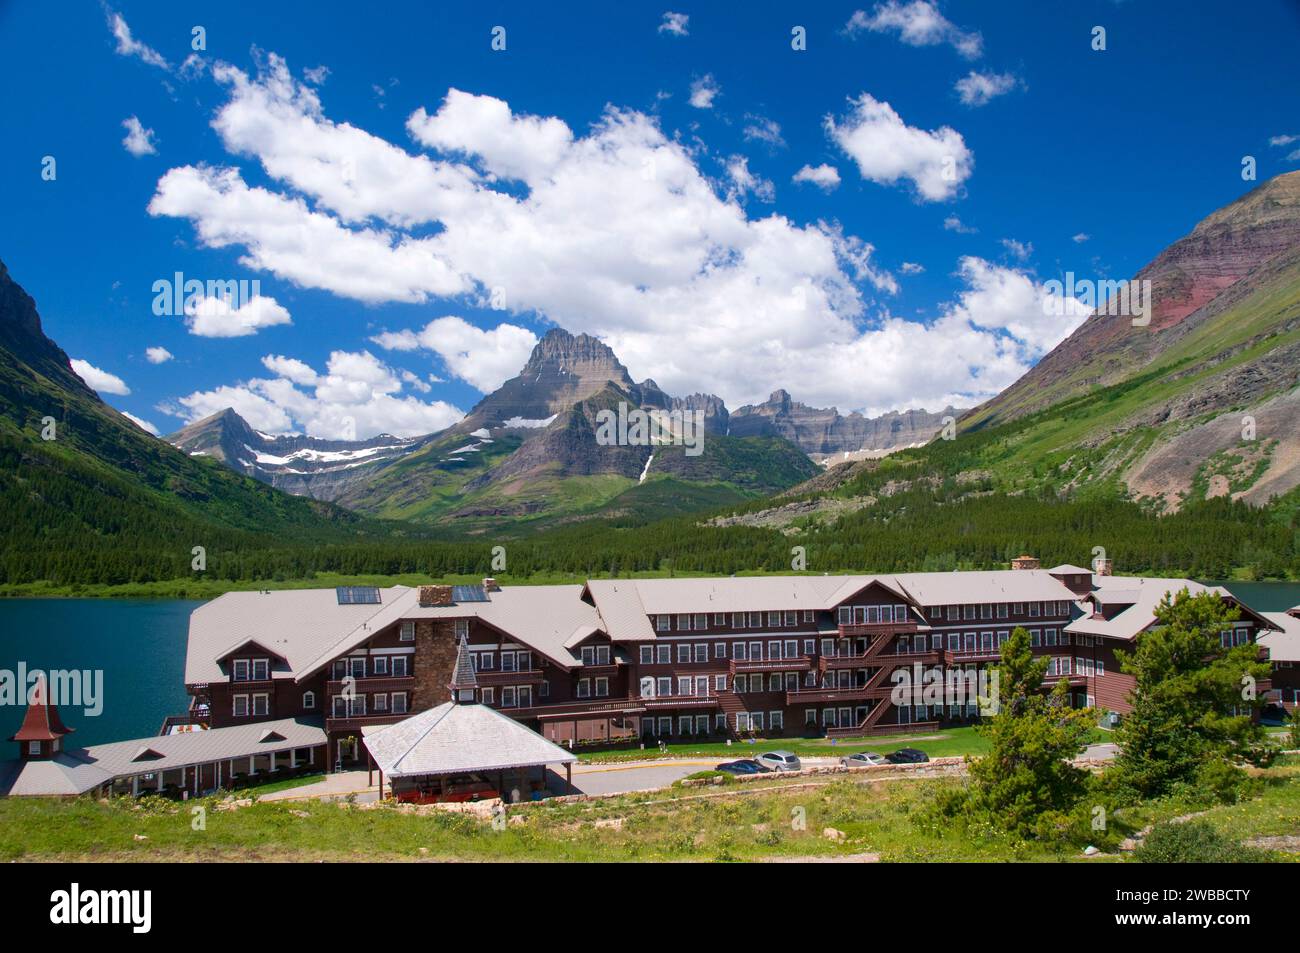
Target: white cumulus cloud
[(917, 23), (217, 318), (98, 380), (157, 355), (139, 141), (703, 91), (887, 150), (825, 177), (675, 23), (976, 89)]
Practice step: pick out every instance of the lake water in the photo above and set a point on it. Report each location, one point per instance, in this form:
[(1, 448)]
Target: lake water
[(139, 646)]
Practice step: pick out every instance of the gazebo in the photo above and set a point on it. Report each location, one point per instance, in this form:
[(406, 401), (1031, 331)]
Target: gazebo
[(439, 754)]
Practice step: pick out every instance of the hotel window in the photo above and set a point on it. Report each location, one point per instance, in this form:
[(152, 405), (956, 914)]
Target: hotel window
[(664, 654), (407, 632), (719, 683), (663, 623), (774, 682), (968, 612), (602, 687), (808, 615), (986, 610), (741, 684), (773, 650), (683, 623), (773, 619), (809, 646), (241, 670), (357, 706), (664, 687), (845, 615), (1002, 610), (1033, 609), (828, 717), (1065, 638), (544, 689), (462, 628), (357, 667), (381, 702), (701, 620), (776, 720), (482, 661), (588, 658), (308, 700), (742, 721), (719, 649), (701, 651), (792, 618), (986, 641), (1049, 636), (1002, 637), (683, 652), (381, 665), (952, 613), (261, 704), (1101, 667), (241, 706), (261, 669), (486, 695), (954, 641), (399, 666), (756, 721), (737, 620), (584, 688), (791, 648), (828, 647), (1035, 638), (720, 721), (720, 620), (508, 659), (810, 717), (685, 685), (900, 613), (647, 655), (1018, 609), (738, 651)]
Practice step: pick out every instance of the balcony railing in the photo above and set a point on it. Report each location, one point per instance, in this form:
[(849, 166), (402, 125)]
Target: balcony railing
[(960, 656), (801, 663), (373, 683), (849, 693), (863, 660), (853, 630), (593, 706), (357, 722), (531, 676)]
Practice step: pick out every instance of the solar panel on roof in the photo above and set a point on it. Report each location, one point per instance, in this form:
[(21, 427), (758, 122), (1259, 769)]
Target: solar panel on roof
[(468, 594), (358, 595)]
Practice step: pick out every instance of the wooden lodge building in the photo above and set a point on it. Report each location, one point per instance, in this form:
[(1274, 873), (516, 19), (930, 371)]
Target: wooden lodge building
[(655, 659)]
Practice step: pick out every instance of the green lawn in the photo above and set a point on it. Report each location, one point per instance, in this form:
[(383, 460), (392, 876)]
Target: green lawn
[(775, 821)]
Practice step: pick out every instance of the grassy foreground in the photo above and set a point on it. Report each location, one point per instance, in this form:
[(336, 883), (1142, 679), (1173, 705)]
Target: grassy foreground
[(777, 820)]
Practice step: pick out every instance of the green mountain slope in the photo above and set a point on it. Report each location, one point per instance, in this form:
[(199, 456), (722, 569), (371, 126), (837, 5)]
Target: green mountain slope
[(105, 487)]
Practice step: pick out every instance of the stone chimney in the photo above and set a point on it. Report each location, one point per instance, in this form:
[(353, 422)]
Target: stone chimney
[(1103, 567), (1026, 562), (435, 596), (490, 584)]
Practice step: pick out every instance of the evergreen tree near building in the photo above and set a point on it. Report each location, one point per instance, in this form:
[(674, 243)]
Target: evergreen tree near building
[(1192, 702)]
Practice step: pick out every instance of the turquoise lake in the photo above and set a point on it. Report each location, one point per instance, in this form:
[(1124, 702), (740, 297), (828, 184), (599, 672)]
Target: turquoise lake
[(139, 645)]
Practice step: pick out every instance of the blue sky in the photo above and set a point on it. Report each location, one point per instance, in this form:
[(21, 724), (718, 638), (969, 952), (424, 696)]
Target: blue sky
[(418, 208)]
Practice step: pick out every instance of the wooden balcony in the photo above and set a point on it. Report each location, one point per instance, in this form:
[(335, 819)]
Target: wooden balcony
[(850, 693), (872, 629), (961, 657), (829, 663), (594, 706), (373, 683), (357, 722), (801, 663), (680, 701), (521, 677)]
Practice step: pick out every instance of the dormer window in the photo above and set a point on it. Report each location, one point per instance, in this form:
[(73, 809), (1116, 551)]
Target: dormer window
[(240, 670), (308, 700), (462, 628), (261, 669), (407, 632)]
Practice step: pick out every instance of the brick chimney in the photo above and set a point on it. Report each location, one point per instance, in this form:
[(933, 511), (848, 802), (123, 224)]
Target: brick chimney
[(1103, 567), (435, 596), (490, 584), (1026, 562)]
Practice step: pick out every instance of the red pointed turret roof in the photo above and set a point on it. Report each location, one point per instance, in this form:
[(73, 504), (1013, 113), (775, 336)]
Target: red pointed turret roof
[(42, 721)]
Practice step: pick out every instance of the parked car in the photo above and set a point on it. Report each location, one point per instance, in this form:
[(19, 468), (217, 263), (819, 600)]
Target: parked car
[(780, 761), (862, 759), (744, 766), (907, 756)]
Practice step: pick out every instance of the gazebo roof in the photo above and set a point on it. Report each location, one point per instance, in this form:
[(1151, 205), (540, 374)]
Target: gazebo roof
[(459, 739)]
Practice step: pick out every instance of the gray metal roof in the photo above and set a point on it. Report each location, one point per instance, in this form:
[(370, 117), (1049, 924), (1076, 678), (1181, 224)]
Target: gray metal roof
[(79, 769), (1142, 595), (459, 739), (1284, 645)]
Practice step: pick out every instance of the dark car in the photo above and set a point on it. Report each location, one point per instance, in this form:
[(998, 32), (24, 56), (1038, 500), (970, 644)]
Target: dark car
[(907, 756), (744, 766)]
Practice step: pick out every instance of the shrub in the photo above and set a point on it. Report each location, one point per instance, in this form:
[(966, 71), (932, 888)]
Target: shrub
[(1194, 842)]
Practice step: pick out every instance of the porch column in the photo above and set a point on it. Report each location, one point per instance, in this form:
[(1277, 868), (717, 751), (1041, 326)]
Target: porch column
[(272, 762), (218, 779), (160, 781), (135, 785), (568, 773), (251, 768)]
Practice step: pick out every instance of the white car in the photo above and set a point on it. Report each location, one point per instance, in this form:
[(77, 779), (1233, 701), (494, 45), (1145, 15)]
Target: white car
[(862, 759), (779, 761)]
